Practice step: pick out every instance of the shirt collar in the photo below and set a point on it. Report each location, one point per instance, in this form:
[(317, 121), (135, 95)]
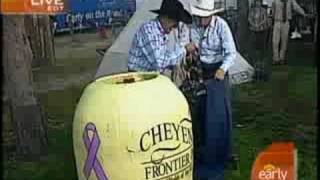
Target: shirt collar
[(211, 26), (161, 29)]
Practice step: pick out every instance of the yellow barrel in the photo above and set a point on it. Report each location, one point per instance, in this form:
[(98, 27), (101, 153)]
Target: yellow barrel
[(133, 126)]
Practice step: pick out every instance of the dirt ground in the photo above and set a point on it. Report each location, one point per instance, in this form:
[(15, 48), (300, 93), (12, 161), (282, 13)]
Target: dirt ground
[(76, 62), (82, 46)]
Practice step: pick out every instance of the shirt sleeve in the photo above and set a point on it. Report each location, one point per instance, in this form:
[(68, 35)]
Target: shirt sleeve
[(228, 47), (297, 8), (157, 53)]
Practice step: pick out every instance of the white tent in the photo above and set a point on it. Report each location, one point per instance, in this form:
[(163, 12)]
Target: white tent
[(139, 3), (115, 59), (241, 71)]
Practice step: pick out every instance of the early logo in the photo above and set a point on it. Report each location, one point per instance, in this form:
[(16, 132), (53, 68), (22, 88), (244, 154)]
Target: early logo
[(277, 162), (271, 172)]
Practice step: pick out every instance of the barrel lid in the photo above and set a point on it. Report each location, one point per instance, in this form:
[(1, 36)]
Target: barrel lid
[(128, 78)]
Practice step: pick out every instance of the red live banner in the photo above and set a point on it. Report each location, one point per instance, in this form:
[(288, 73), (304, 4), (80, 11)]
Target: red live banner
[(33, 6)]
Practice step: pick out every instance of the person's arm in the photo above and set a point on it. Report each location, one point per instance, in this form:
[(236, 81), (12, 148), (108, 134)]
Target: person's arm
[(264, 16), (155, 50), (273, 10), (250, 17), (297, 8), (228, 47)]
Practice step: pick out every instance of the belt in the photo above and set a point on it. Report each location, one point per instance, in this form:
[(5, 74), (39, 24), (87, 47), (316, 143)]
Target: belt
[(209, 70)]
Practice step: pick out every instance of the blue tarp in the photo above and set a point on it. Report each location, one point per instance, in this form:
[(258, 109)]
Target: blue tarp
[(92, 12)]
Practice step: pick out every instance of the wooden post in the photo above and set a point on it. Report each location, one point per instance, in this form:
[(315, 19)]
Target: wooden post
[(40, 34)]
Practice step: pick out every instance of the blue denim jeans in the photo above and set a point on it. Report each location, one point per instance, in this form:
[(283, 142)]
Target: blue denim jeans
[(215, 123)]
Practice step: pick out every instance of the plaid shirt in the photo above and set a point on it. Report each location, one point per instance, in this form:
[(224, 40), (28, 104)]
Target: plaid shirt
[(150, 50), (216, 43)]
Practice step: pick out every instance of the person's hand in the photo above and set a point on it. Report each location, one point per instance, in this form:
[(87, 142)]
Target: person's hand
[(191, 48), (220, 74)]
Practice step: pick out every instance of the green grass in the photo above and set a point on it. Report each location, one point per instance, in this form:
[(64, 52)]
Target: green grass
[(60, 161), (282, 110), (255, 106), (270, 116)]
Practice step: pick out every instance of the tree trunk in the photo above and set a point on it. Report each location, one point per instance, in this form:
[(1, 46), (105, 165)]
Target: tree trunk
[(243, 34), (40, 33), (29, 123)]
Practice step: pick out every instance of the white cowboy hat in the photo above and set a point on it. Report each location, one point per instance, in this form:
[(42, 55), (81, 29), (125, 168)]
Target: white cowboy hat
[(204, 8)]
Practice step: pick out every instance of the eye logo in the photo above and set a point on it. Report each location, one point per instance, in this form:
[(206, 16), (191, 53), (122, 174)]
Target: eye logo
[(269, 167)]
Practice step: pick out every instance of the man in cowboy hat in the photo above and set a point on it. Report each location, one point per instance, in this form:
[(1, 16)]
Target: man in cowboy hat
[(217, 52), (149, 50)]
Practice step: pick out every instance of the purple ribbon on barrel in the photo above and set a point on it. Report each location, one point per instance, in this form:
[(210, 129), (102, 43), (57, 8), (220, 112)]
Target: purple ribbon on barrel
[(92, 145)]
